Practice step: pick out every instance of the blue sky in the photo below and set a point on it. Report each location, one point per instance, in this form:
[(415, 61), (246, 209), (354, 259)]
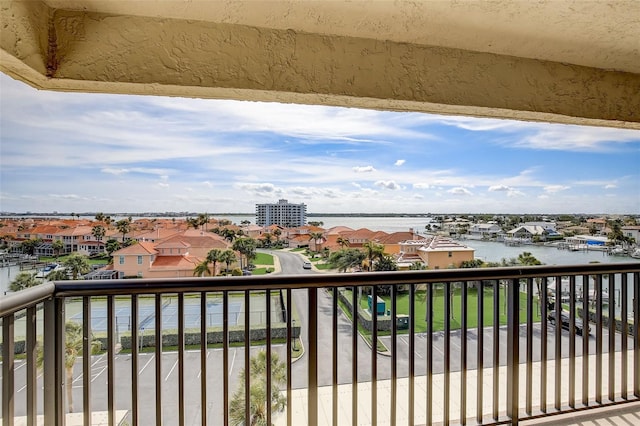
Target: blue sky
[(77, 152)]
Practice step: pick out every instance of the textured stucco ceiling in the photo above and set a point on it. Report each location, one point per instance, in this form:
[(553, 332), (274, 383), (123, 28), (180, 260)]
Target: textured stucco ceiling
[(600, 34), (560, 61)]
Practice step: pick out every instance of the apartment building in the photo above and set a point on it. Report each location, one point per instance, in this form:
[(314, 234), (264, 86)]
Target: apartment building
[(281, 213)]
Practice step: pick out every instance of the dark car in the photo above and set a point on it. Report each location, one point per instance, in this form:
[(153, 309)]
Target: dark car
[(564, 319)]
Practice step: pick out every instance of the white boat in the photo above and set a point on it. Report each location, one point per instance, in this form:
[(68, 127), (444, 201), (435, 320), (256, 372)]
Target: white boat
[(49, 268), (636, 254)]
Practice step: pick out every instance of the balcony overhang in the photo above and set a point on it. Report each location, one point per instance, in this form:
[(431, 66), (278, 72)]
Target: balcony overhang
[(568, 62)]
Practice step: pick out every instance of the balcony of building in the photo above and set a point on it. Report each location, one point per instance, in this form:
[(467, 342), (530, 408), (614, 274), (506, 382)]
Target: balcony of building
[(506, 357)]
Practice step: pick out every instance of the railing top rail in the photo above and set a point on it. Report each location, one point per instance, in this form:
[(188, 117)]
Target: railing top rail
[(181, 285), (23, 299)]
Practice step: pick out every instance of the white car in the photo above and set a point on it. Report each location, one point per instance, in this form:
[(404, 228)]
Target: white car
[(306, 265)]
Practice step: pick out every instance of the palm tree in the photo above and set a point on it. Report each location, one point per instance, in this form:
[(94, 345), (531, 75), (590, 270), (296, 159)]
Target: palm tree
[(344, 242), (373, 251), (77, 264), (228, 257), (124, 227), (277, 232), (214, 256), (73, 349), (58, 275), (246, 247), (57, 247), (316, 236), (100, 217), (203, 219), (345, 259), (24, 280), (98, 232), (258, 398), (202, 269)]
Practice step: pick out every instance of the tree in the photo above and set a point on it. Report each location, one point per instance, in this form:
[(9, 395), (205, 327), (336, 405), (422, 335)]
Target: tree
[(245, 222), (344, 259), (100, 217), (214, 256), (316, 223), (57, 247), (203, 219), (24, 280), (98, 232), (316, 236), (228, 234), (386, 263), (373, 251), (258, 398), (29, 246), (344, 242), (58, 275), (246, 247), (228, 257), (77, 264), (124, 227), (277, 232), (111, 246), (202, 269), (73, 349)]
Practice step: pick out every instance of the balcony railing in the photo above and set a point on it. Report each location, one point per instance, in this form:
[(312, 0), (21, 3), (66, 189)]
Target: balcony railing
[(486, 346)]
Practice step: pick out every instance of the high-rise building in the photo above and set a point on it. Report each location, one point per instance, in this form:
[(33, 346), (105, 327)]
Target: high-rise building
[(283, 213)]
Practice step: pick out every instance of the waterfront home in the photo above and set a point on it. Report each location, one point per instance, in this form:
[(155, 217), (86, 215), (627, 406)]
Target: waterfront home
[(436, 252), (485, 230), (531, 232), (176, 256)]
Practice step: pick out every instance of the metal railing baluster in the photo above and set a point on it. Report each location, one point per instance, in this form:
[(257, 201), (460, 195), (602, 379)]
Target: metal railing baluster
[(557, 306), (463, 355), (134, 359), (572, 341), (585, 340), (447, 353), (412, 354), (225, 358), (312, 331), (544, 304), (290, 337), (480, 354), (32, 368), (394, 356), (598, 286), (8, 379), (529, 373), (203, 359), (354, 356), (513, 351), (110, 360), (624, 333), (429, 360), (334, 355), (611, 325), (86, 360), (181, 395), (268, 381), (374, 354), (636, 334), (158, 355), (496, 350), (247, 348)]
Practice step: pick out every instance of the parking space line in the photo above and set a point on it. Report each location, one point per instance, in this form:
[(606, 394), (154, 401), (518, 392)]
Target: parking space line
[(171, 371), (145, 366)]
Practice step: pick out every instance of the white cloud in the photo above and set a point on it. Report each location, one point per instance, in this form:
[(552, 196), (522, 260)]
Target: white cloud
[(422, 186), (459, 191), (500, 188), (552, 189), (388, 185), (163, 185), (114, 171), (207, 184), (364, 169), (610, 186), (399, 162)]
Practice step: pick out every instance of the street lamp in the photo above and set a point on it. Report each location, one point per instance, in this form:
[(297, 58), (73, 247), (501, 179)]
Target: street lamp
[(293, 330)]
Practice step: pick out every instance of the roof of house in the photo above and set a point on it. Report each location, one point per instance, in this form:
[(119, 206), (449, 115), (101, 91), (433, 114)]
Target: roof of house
[(142, 247), (396, 237), (444, 244), (175, 262)]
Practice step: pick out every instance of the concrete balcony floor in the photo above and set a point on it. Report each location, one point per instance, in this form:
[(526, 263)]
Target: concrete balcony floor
[(617, 415)]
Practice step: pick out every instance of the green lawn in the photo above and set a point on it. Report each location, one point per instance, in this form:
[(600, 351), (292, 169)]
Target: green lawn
[(263, 259), (92, 261), (438, 308)]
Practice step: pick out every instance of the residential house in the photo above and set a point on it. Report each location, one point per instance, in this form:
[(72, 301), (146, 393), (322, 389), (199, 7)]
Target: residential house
[(435, 252), (485, 230)]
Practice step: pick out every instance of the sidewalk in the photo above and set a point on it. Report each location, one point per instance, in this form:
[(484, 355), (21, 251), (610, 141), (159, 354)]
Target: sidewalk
[(98, 418)]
